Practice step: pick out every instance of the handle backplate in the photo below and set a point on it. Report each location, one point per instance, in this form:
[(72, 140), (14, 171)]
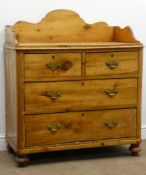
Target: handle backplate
[(111, 123), (54, 127), (66, 65), (112, 64), (53, 95), (111, 91)]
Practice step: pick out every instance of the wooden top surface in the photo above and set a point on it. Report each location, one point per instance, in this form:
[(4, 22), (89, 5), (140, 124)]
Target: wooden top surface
[(72, 45), (65, 28)]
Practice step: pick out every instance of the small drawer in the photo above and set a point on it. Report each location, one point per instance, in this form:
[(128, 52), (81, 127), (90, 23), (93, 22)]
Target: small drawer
[(52, 65), (79, 126), (111, 63), (77, 95)]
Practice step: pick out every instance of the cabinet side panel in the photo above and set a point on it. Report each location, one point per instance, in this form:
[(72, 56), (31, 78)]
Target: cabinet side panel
[(10, 37), (140, 67), (11, 97)]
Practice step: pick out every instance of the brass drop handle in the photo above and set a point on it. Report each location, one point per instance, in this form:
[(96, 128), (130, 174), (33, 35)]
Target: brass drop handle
[(111, 123), (54, 127), (111, 91), (53, 94), (53, 66), (56, 66), (112, 64)]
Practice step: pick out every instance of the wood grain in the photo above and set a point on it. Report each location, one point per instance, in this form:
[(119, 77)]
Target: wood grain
[(35, 65), (11, 95), (66, 26), (20, 99), (10, 36), (124, 35), (70, 46), (80, 94), (62, 25), (81, 126), (80, 145), (139, 95), (96, 63)]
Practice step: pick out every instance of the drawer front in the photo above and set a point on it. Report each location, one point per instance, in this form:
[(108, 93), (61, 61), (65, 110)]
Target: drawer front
[(52, 65), (111, 63), (79, 126), (90, 94)]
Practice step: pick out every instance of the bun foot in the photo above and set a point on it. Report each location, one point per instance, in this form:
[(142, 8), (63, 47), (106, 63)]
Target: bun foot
[(22, 160), (9, 148), (135, 149)]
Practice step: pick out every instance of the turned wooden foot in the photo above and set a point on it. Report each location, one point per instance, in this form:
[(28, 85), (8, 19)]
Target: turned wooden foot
[(135, 149), (22, 160), (9, 148)]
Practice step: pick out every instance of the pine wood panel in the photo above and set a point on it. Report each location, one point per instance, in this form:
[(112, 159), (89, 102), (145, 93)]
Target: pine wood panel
[(10, 36), (80, 145), (124, 35), (82, 78), (70, 46), (80, 94), (67, 26), (36, 65), (79, 126), (11, 96), (62, 25), (96, 63)]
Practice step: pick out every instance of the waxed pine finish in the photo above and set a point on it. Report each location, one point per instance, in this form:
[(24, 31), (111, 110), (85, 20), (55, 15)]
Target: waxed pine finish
[(71, 85)]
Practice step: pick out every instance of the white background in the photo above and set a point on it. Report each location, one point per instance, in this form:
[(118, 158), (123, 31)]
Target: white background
[(114, 12)]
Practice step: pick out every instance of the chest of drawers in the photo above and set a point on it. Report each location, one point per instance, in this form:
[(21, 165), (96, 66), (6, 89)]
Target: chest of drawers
[(71, 85)]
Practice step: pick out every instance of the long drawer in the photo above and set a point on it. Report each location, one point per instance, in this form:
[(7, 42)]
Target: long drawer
[(111, 63), (79, 126), (52, 65), (82, 95)]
